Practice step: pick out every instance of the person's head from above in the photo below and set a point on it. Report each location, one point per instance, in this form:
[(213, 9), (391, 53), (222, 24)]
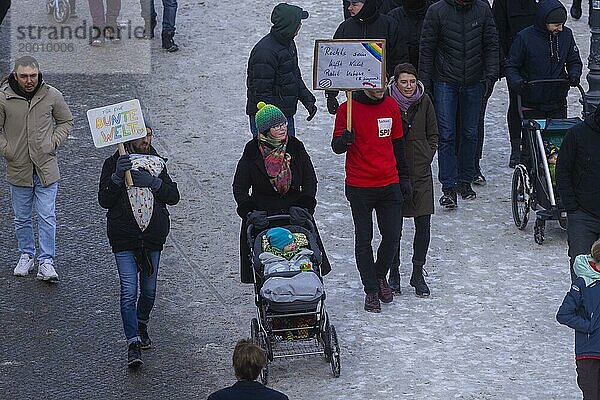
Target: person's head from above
[(463, 3), (248, 360), (375, 94), (287, 19), (354, 7), (405, 77), (141, 145), (27, 73), (271, 122), (595, 251), (281, 239), (555, 20)]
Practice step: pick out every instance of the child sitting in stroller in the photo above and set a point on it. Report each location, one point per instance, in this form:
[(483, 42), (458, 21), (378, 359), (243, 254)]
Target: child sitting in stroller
[(288, 268)]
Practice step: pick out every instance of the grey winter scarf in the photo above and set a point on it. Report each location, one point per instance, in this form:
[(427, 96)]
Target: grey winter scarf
[(403, 101)]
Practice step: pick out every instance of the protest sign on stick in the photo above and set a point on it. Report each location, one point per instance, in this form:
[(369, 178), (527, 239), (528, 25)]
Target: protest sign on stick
[(115, 124), (349, 64)]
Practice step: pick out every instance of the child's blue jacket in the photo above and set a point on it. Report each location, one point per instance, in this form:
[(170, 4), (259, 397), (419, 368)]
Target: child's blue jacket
[(580, 310)]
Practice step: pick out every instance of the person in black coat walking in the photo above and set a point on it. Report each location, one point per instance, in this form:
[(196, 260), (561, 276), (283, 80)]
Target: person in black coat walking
[(512, 16), (137, 227), (458, 64), (273, 73), (577, 181), (545, 50), (274, 174), (409, 16), (248, 361), (366, 22)]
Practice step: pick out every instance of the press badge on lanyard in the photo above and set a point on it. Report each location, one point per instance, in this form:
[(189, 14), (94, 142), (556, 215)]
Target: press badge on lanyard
[(385, 126)]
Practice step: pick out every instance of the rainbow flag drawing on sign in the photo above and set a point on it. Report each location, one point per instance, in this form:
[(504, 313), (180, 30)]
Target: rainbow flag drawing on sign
[(375, 48)]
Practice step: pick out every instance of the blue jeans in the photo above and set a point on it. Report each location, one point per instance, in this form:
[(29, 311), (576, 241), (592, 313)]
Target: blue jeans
[(254, 130), (43, 199), (467, 101), (134, 309), (169, 13)]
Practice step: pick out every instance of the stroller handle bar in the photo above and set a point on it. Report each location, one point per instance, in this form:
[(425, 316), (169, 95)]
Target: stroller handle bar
[(554, 80)]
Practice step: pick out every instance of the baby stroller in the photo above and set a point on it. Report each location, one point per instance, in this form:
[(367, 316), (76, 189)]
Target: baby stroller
[(532, 186), (287, 328), (59, 9)]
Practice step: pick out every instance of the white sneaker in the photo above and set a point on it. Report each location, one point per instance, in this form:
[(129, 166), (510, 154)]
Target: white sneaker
[(46, 271), (24, 265)]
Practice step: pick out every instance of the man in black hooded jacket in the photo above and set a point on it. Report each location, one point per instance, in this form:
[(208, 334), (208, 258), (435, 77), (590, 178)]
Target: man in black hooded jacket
[(273, 73), (512, 16), (366, 22), (578, 184), (409, 16)]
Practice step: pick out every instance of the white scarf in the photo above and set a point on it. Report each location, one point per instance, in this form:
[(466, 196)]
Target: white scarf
[(141, 198)]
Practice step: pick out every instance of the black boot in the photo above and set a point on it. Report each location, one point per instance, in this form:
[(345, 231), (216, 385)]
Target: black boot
[(515, 153), (417, 280), (145, 342), (134, 355), (149, 26), (168, 43), (394, 280), (576, 9)]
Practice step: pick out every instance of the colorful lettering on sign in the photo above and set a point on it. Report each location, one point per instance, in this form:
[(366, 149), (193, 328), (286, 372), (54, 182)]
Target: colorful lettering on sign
[(118, 125)]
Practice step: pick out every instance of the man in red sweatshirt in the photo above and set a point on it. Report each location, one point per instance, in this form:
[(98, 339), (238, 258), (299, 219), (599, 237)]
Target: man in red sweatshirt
[(376, 179)]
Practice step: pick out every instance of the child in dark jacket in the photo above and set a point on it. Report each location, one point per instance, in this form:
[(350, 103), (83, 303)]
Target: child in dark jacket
[(580, 310)]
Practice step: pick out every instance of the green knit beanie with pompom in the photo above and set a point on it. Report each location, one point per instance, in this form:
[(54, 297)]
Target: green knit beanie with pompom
[(268, 116)]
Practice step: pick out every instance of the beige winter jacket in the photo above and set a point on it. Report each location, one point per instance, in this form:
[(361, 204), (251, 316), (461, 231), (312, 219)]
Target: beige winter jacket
[(30, 133)]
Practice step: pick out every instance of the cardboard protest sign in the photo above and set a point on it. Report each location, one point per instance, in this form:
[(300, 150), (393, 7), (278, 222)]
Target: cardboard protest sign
[(116, 123), (349, 64)]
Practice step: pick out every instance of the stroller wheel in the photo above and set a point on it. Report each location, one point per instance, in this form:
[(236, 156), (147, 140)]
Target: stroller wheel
[(62, 11), (562, 221), (335, 353), (326, 340), (254, 329), (264, 343), (538, 231), (520, 196)]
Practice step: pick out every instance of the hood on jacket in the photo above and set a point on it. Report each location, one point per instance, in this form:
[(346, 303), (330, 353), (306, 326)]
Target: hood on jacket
[(415, 7), (545, 8), (583, 269), (593, 120), (369, 11), (286, 20)]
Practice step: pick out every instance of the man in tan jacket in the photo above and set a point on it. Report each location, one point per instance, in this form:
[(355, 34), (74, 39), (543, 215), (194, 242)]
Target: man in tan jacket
[(34, 121)]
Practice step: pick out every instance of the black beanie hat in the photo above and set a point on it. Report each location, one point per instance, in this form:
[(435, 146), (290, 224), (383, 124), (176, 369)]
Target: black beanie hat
[(557, 16), (412, 5)]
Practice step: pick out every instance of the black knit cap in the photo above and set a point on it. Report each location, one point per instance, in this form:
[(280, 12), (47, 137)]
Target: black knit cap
[(557, 16)]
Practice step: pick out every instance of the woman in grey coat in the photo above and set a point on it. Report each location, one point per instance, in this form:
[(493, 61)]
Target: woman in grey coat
[(420, 130)]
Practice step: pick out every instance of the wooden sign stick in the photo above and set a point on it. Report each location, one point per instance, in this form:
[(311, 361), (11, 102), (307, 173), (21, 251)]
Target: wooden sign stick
[(349, 110), (128, 179)]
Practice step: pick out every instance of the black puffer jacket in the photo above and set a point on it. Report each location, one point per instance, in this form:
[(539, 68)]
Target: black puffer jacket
[(537, 54), (512, 16), (273, 73), (122, 229), (459, 44), (410, 24), (370, 24), (578, 168)]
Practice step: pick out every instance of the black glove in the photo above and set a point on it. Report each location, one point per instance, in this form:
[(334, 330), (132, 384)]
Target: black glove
[(144, 178), (406, 189), (312, 110), (123, 164), (521, 87), (348, 137), (574, 81), (489, 88), (258, 218), (299, 215), (332, 104)]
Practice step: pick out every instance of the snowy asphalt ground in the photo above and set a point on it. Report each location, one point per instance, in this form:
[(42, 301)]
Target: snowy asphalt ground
[(488, 330)]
